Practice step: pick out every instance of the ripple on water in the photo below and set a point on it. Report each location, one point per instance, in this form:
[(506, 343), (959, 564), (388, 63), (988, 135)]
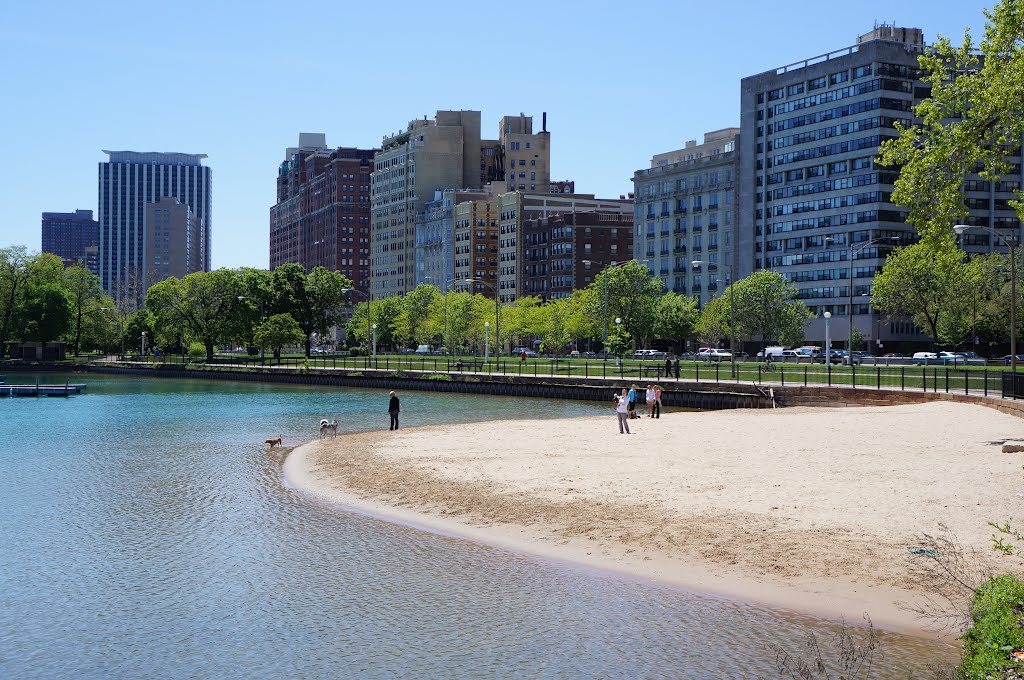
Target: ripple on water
[(147, 533)]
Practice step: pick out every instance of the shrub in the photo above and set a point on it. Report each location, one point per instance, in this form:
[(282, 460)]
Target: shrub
[(438, 376), (357, 352), (196, 350), (997, 630)]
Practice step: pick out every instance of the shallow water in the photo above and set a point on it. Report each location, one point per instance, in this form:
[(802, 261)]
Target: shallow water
[(146, 532)]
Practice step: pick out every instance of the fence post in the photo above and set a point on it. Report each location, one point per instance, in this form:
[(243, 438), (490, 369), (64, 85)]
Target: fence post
[(697, 368), (935, 380), (878, 377), (759, 374), (947, 380), (986, 382), (903, 377), (966, 381), (782, 373), (853, 371), (805, 375), (924, 377), (718, 364)]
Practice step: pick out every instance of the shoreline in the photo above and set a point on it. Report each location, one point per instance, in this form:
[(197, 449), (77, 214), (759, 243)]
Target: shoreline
[(611, 509)]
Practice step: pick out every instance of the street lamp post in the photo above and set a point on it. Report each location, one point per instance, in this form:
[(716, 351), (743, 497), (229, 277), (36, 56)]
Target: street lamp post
[(732, 311), (487, 331), (497, 306), (1012, 245), (604, 290), (143, 345), (374, 343), (828, 342), (853, 250)]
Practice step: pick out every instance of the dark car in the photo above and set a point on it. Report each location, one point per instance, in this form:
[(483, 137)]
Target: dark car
[(836, 357), (1020, 359)]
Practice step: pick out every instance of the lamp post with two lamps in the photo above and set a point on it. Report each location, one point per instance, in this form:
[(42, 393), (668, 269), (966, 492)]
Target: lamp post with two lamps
[(853, 250), (1012, 245), (497, 317), (604, 286), (732, 310), (828, 344)]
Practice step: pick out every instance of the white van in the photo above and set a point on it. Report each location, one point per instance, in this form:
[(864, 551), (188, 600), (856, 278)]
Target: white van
[(924, 358)]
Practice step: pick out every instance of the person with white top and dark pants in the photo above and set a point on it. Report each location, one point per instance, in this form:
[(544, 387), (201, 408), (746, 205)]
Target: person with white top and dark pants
[(622, 411)]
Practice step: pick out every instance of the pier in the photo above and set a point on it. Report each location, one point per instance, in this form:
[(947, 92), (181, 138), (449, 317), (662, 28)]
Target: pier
[(37, 390)]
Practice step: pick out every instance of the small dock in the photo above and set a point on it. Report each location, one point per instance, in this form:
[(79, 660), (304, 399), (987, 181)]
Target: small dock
[(65, 390)]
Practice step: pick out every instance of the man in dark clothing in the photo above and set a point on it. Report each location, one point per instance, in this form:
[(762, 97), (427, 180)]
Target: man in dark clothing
[(668, 366), (677, 368), (393, 409)]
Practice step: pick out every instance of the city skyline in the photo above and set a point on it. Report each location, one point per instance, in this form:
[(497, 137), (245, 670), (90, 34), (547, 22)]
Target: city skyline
[(671, 83)]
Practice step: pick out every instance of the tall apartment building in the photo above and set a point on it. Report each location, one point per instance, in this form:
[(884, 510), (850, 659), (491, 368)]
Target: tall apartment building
[(686, 211), (514, 208), (168, 242), (564, 252), (430, 155), (810, 192), (435, 237), (72, 237), (128, 181), (476, 244), (322, 214)]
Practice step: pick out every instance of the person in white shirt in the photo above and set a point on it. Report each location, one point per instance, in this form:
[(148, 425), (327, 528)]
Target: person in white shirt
[(622, 411), (650, 399)]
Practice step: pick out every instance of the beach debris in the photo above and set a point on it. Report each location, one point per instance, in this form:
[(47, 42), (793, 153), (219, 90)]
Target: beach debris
[(1013, 448), (1018, 656), (927, 552)]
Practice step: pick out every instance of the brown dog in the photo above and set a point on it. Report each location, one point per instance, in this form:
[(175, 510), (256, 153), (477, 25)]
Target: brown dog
[(273, 442)]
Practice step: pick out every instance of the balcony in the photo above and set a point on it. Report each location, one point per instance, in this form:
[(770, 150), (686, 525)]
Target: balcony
[(665, 213), (679, 211), (679, 231), (650, 234), (679, 250)]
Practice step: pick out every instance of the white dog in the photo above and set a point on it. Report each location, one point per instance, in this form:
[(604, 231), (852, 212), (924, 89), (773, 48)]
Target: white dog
[(328, 427)]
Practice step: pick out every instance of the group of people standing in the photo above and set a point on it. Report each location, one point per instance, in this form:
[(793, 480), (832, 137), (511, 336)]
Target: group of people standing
[(625, 405)]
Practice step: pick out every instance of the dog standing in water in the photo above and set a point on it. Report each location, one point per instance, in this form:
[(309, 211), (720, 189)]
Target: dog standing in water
[(273, 442), (328, 427)]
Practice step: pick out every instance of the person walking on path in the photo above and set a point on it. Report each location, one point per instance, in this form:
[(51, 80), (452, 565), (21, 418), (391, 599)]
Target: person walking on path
[(394, 408), (622, 411), (677, 368), (668, 367), (523, 356), (632, 401), (649, 400), (656, 409)]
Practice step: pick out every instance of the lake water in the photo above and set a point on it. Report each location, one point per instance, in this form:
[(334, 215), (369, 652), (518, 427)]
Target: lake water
[(146, 532)]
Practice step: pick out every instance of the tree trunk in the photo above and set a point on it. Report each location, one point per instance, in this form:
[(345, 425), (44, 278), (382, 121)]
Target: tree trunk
[(209, 350), (308, 344)]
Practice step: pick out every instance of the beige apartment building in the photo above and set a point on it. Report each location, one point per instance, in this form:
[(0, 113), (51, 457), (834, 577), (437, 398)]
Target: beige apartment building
[(515, 208), (169, 244), (433, 156), (476, 245)]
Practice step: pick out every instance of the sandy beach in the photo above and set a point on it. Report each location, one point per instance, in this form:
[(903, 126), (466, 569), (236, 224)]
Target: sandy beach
[(807, 509)]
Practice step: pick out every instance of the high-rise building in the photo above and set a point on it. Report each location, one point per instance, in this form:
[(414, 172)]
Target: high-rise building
[(515, 207), (476, 243), (70, 236), (435, 237), (322, 214), (564, 252), (446, 152), (810, 193), (686, 206), (128, 181), (168, 244)]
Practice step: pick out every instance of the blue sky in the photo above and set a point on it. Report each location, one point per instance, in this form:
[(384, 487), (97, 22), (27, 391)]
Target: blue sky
[(239, 81)]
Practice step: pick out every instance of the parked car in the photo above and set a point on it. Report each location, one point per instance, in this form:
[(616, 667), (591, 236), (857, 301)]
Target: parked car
[(713, 354), (588, 355), (893, 355), (836, 356), (922, 358), (648, 354), (788, 355), (518, 352), (742, 355), (574, 354), (1020, 359)]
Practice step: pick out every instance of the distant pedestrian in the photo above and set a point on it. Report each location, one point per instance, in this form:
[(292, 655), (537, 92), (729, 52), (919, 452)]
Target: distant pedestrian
[(649, 400), (394, 408), (632, 401), (622, 411), (677, 368), (657, 401), (668, 366), (523, 356)]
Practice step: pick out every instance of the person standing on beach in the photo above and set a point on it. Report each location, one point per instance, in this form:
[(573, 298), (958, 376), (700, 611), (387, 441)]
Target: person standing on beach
[(649, 400), (394, 408), (632, 401), (622, 411), (656, 409)]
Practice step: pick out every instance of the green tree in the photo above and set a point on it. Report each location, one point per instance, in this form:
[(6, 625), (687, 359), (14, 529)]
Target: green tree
[(315, 300), (418, 321), (202, 304), (556, 326), (766, 307), (83, 289), (44, 312), (632, 293), (971, 120), (18, 269), (142, 321), (713, 324), (676, 318), (918, 281), (276, 332)]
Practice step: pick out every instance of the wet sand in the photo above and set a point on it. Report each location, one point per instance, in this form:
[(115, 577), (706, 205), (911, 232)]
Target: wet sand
[(806, 509)]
